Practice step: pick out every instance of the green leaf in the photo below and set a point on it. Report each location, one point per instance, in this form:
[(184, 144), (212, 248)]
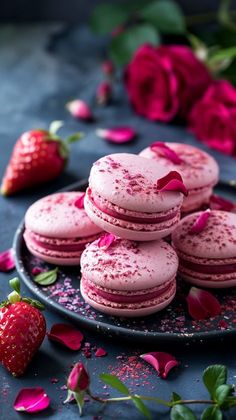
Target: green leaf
[(175, 397), (222, 392), (213, 377), (165, 15), (46, 278), (139, 404), (124, 45), (181, 412), (107, 17), (114, 382), (15, 284), (211, 413), (229, 402)]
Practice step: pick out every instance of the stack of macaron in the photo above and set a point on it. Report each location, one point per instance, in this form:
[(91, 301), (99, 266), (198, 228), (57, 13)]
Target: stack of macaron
[(138, 200)]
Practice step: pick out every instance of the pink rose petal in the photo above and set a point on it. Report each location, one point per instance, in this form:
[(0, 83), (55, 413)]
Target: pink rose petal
[(100, 352), (161, 361), (117, 134), (31, 400), (67, 335), (172, 182), (220, 203), (106, 240), (7, 261), (200, 223), (80, 110), (79, 203), (163, 150), (202, 304), (36, 270)]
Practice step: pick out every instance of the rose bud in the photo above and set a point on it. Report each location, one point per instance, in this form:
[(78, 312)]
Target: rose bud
[(104, 92), (78, 379), (108, 68), (80, 110)]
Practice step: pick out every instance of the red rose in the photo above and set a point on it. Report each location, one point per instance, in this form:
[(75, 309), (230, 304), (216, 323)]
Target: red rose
[(165, 81), (213, 118)]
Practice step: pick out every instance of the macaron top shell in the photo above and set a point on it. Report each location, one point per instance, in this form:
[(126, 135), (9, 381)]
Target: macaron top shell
[(197, 168), (57, 216), (128, 265), (129, 181), (217, 240)]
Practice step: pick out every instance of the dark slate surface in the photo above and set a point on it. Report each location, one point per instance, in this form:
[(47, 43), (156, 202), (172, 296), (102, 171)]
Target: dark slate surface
[(41, 68)]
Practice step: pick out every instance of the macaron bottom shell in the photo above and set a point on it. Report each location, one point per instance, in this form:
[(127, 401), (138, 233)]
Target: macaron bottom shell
[(123, 309), (57, 250), (128, 230)]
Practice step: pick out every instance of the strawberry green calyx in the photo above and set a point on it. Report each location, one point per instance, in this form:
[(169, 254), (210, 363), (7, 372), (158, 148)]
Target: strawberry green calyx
[(64, 145), (15, 296)]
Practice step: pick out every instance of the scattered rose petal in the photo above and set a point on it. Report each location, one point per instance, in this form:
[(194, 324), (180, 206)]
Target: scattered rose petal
[(104, 93), (108, 68), (106, 240), (200, 223), (167, 152), (172, 182), (67, 335), (161, 361), (202, 304), (79, 203), (100, 352), (79, 109), (117, 134), (31, 400), (222, 324), (36, 270), (7, 261), (220, 203)]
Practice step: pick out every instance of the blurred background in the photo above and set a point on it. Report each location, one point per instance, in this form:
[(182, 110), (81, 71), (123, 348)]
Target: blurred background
[(77, 10)]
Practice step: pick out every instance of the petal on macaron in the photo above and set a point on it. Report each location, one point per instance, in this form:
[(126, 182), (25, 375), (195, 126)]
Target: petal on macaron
[(79, 203), (200, 223), (161, 361), (220, 203), (163, 150), (172, 182), (31, 400), (202, 304), (7, 261), (106, 240), (66, 335)]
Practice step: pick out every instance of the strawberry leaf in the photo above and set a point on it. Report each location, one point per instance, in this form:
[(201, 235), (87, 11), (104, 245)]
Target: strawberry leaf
[(114, 382), (47, 277)]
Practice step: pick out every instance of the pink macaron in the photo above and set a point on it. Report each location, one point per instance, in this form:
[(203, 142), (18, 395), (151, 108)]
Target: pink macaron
[(128, 278), (199, 170), (127, 196), (57, 228), (206, 245)]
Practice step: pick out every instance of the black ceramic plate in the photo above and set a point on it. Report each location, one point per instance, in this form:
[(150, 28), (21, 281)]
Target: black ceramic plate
[(172, 324)]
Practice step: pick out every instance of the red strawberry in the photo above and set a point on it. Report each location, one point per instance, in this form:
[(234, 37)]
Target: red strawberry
[(38, 156), (22, 330)]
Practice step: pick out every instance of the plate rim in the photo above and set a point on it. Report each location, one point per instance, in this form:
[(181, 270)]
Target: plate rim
[(100, 326)]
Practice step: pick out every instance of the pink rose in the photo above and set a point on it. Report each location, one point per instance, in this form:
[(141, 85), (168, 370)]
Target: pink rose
[(165, 81), (213, 118)]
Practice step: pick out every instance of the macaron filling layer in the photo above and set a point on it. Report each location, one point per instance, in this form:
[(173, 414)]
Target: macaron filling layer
[(130, 216), (57, 245), (209, 269), (128, 297), (132, 299)]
